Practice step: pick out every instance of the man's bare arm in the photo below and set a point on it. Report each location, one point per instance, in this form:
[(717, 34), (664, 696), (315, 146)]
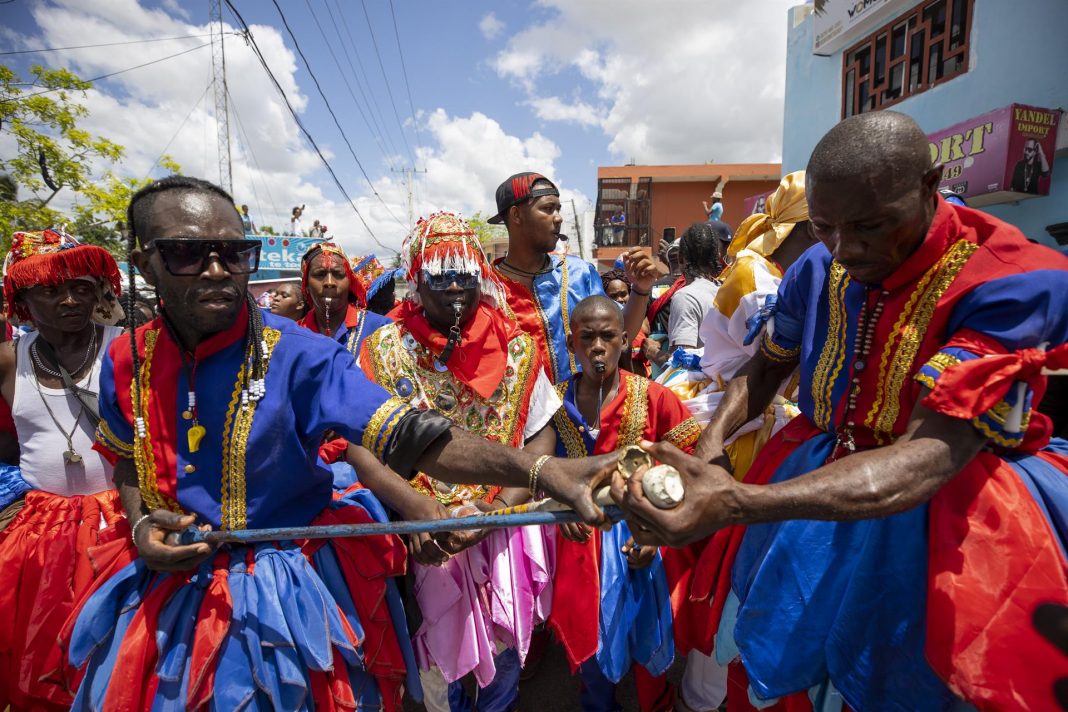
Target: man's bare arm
[(876, 483), (747, 395), (459, 456)]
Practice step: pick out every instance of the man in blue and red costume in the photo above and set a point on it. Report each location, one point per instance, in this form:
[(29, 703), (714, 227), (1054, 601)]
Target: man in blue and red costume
[(213, 416), (904, 528), (543, 288)]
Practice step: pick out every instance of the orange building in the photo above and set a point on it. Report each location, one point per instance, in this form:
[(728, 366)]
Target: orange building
[(655, 199)]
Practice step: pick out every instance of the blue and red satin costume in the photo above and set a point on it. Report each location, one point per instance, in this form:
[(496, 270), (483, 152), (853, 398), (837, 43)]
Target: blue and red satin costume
[(545, 312), (609, 617), (357, 325), (917, 610), (288, 625)]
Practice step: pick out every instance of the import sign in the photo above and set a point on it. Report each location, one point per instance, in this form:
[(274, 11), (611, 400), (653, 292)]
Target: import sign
[(1001, 156), (281, 252)]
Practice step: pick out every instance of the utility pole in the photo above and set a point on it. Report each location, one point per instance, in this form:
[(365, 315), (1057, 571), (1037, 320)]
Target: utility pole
[(408, 174), (218, 74), (578, 232)]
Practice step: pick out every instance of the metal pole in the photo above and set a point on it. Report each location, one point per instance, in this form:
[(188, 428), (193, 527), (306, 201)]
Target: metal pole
[(432, 526), (222, 115)]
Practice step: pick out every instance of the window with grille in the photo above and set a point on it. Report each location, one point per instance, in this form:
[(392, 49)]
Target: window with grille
[(924, 47)]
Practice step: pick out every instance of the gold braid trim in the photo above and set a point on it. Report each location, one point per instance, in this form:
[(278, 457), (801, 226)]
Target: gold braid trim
[(823, 378), (635, 411), (941, 361), (144, 457), (574, 445), (523, 369), (353, 344), (930, 289), (107, 437), (777, 353), (684, 434), (380, 427), (236, 430), (926, 380), (999, 438)]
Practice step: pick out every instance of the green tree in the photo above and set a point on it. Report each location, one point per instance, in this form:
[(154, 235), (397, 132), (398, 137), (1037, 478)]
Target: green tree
[(486, 233), (51, 152), (100, 219)]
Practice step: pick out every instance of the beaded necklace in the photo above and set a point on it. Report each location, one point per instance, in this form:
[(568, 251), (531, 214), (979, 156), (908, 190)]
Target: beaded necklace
[(867, 320)]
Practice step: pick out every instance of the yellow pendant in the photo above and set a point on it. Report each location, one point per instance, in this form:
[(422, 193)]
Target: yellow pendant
[(195, 435)]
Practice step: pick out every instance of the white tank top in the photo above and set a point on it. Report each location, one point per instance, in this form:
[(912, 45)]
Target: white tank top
[(40, 442)]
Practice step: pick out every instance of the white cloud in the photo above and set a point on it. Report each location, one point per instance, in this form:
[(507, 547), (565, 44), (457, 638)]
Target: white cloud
[(553, 108), (490, 26), (682, 82), (465, 157)]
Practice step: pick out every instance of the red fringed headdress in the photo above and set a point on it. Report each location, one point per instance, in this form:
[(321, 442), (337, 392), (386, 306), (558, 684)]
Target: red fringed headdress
[(51, 257), (445, 242), (356, 288)]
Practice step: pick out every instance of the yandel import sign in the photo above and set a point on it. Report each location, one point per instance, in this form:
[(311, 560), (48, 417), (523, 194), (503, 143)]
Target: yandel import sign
[(280, 252), (999, 157)]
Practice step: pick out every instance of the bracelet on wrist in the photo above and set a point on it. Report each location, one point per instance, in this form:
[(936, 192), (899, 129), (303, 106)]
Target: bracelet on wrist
[(639, 292), (535, 471), (134, 528)]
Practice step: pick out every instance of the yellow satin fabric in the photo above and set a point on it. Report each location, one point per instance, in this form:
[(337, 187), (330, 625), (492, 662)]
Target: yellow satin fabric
[(762, 233)]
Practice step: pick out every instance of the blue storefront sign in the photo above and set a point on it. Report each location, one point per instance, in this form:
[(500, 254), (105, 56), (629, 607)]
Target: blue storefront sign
[(284, 253)]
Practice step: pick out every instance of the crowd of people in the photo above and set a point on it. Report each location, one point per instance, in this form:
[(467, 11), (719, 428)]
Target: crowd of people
[(850, 387)]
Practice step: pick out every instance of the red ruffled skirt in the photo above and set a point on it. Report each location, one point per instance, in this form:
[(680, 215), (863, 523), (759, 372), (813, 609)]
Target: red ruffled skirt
[(47, 561)]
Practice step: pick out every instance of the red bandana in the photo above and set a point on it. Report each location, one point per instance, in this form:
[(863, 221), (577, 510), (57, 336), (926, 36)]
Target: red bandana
[(482, 356)]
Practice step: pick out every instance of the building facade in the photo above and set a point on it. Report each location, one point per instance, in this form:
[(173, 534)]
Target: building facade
[(985, 79), (637, 205)]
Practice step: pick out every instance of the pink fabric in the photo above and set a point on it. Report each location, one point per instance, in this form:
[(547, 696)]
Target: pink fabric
[(494, 592)]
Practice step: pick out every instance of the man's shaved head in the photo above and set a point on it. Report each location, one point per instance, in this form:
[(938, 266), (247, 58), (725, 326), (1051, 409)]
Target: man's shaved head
[(597, 305), (872, 193), (886, 148)]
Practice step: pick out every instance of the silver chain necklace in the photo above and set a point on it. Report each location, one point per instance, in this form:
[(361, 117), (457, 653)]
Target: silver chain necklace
[(70, 455), (90, 352)]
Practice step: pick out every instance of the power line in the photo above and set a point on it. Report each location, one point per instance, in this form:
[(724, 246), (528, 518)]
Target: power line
[(178, 131), (105, 44), (296, 118), (380, 122), (330, 110), (105, 76), (396, 115), (404, 71), (255, 160), (352, 94)]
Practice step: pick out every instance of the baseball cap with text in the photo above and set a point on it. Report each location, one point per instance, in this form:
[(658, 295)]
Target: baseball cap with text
[(517, 189)]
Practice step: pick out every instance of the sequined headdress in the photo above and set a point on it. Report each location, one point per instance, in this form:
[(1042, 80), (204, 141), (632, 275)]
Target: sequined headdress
[(372, 274), (51, 257), (445, 242)]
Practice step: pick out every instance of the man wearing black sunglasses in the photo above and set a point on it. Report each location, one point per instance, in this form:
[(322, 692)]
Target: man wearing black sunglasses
[(213, 414)]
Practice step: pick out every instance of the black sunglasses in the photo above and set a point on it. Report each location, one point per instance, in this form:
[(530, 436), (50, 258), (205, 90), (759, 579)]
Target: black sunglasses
[(185, 257)]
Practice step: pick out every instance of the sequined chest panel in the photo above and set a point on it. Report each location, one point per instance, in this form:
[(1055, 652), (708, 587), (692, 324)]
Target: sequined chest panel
[(409, 370)]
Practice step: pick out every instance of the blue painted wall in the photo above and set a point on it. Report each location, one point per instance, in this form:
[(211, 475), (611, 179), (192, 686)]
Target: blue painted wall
[(1018, 54)]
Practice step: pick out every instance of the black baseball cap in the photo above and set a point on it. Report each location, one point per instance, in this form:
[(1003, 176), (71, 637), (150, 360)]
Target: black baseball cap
[(721, 230), (517, 189)]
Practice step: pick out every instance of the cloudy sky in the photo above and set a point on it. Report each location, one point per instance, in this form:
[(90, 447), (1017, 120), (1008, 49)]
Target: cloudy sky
[(557, 86)]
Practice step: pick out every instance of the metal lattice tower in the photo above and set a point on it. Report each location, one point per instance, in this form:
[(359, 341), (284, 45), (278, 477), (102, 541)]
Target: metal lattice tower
[(222, 115)]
